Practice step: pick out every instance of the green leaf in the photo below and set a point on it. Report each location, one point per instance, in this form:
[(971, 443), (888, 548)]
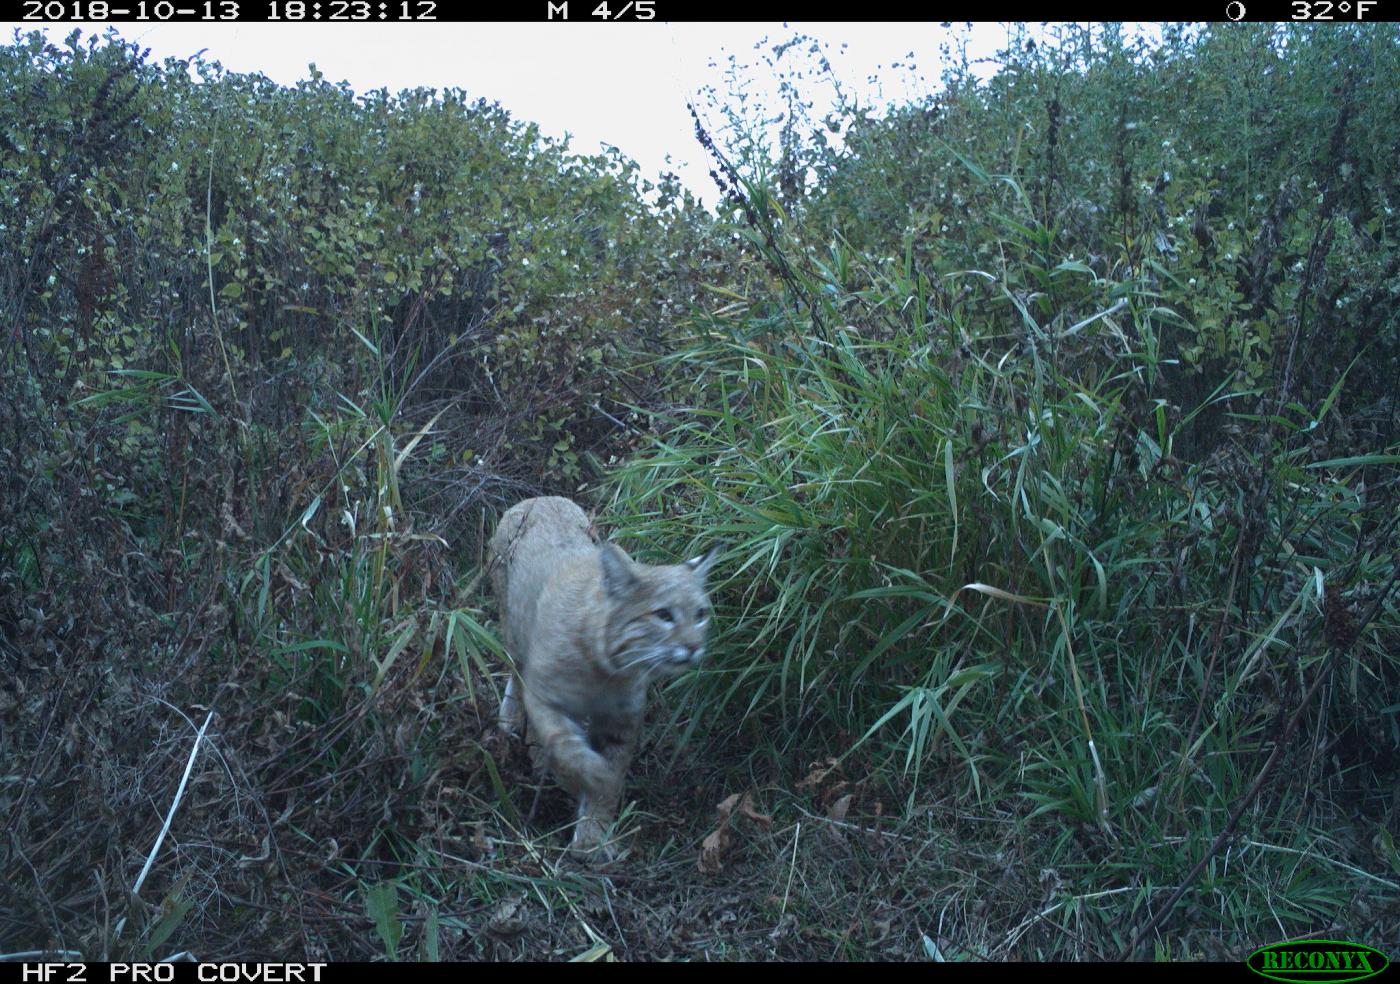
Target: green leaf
[(382, 903)]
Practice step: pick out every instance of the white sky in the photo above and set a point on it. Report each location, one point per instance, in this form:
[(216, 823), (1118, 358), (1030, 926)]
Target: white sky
[(623, 84)]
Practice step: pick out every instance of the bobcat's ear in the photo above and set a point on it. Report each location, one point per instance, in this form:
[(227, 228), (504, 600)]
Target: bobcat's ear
[(701, 565), (618, 578)]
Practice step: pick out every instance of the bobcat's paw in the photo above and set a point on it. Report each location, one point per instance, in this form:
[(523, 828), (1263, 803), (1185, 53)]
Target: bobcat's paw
[(591, 843)]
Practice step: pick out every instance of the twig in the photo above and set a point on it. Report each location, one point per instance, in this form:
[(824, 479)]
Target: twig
[(174, 805), (1323, 674), (856, 827), (792, 868), (1214, 652)]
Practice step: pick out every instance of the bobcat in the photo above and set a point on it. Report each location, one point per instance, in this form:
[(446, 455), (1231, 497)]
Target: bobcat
[(587, 630)]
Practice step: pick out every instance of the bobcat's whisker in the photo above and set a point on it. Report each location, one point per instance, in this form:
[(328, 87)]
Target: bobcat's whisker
[(648, 657)]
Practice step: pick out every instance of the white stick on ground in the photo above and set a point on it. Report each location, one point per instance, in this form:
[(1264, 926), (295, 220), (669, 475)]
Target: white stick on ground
[(174, 805)]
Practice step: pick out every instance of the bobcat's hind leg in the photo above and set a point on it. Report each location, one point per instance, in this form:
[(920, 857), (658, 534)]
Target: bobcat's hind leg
[(511, 718)]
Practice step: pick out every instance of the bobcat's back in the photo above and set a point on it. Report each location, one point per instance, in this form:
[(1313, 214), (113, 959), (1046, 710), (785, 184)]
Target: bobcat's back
[(532, 538)]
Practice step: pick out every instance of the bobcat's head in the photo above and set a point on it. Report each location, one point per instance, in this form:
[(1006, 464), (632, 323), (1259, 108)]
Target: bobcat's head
[(659, 614)]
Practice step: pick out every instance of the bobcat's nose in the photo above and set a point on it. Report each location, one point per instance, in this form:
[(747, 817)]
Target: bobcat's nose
[(688, 655)]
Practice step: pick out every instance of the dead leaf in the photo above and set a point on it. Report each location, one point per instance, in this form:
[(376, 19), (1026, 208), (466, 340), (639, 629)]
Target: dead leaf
[(834, 792), (747, 811), (818, 773), (508, 919), (721, 839), (713, 848), (838, 810), (785, 926)]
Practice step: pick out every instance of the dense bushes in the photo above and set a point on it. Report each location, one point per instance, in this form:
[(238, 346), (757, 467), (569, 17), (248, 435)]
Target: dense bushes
[(1050, 424), (1242, 173), (272, 357), (1053, 469)]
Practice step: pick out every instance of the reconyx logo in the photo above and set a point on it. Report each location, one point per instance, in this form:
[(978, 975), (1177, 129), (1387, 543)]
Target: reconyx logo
[(1317, 962)]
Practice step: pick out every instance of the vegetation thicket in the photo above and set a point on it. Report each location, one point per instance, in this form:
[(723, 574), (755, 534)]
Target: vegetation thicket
[(1049, 422)]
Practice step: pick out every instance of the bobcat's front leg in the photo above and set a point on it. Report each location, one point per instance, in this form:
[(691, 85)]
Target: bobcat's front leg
[(615, 741), (592, 778)]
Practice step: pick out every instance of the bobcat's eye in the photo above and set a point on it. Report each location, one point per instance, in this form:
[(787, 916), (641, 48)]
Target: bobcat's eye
[(702, 614), (664, 614)]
